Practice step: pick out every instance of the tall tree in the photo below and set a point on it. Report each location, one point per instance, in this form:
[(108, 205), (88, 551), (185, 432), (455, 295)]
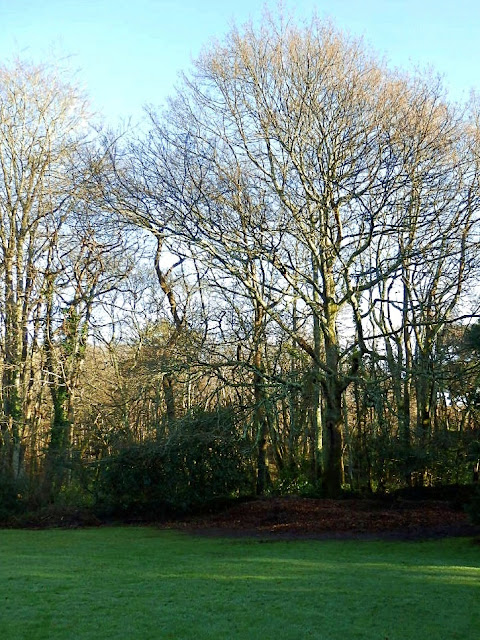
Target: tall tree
[(295, 149), (41, 129)]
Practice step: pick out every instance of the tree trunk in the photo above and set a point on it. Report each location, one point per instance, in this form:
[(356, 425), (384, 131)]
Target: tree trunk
[(260, 417), (58, 446), (11, 387), (169, 395), (333, 440)]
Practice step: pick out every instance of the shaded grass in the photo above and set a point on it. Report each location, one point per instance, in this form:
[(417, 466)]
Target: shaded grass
[(149, 584)]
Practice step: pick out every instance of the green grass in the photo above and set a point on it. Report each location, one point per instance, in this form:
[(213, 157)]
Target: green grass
[(142, 583)]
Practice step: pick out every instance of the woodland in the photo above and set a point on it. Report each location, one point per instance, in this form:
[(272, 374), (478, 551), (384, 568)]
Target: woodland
[(269, 287)]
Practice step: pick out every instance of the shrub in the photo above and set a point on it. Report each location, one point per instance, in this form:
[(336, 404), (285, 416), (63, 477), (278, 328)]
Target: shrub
[(200, 460), (473, 507), (12, 496)]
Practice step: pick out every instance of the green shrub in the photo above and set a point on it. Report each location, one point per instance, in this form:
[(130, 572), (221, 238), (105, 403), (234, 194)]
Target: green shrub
[(297, 480), (12, 496), (473, 507), (200, 460)]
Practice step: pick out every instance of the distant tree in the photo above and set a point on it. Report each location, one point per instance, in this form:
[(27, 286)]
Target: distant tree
[(58, 258), (42, 126)]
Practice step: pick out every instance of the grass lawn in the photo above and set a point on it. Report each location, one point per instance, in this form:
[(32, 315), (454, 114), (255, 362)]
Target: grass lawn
[(142, 583)]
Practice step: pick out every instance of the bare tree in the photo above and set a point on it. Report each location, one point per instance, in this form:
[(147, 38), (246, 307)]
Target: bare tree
[(295, 150), (41, 129)]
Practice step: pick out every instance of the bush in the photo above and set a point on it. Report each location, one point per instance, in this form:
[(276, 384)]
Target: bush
[(473, 507), (199, 461), (297, 480), (12, 497)]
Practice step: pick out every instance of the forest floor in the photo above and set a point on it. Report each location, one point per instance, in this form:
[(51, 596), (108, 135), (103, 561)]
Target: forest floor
[(292, 518)]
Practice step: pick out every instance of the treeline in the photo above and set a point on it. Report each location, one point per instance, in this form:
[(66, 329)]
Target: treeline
[(270, 287)]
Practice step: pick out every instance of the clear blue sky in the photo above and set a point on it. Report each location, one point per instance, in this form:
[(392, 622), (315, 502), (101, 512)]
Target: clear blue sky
[(128, 52)]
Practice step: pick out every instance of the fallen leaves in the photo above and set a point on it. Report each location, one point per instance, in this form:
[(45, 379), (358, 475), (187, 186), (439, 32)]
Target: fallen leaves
[(308, 517)]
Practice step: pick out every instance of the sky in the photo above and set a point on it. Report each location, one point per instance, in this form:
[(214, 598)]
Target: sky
[(128, 53)]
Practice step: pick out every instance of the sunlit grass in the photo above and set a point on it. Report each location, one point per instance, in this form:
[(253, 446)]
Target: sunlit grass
[(144, 583)]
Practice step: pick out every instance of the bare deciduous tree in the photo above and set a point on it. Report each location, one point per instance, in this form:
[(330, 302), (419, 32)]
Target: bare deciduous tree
[(294, 149), (41, 128)]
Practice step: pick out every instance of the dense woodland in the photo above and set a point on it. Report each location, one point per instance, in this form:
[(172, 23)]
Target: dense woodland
[(270, 286)]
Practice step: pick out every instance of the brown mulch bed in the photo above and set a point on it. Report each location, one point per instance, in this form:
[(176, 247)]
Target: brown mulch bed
[(309, 518)]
